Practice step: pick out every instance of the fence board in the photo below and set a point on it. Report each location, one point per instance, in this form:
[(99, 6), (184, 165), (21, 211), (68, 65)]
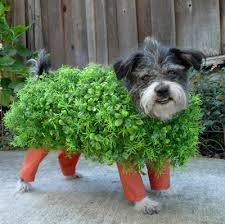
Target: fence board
[(90, 15), (206, 26), (184, 23), (198, 25), (33, 19), (112, 31), (222, 24), (101, 32), (75, 32), (163, 21), (97, 31), (44, 24), (38, 32), (143, 19), (127, 25), (53, 30), (18, 15), (30, 19)]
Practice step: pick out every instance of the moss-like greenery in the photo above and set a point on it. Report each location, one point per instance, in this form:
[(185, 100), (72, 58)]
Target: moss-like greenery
[(90, 111)]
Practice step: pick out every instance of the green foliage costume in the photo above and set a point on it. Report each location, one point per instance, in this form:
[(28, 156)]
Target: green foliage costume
[(90, 111)]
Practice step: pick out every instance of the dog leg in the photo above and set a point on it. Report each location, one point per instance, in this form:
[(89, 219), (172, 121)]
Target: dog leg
[(147, 206), (23, 186), (32, 159), (134, 191), (165, 193)]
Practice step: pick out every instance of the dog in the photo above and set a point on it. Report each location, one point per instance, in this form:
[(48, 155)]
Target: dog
[(157, 81)]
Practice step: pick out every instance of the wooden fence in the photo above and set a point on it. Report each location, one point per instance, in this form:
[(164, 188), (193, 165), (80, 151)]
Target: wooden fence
[(80, 31)]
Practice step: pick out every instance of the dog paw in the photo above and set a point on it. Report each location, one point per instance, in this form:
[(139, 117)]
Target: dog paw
[(165, 193), (147, 206), (75, 176), (23, 186)]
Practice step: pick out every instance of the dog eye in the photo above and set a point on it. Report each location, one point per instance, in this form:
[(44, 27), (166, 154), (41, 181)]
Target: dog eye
[(145, 77), (171, 72)]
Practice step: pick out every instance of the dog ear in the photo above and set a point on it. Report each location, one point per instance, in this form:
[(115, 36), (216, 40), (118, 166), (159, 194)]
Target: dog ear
[(188, 58), (123, 68)]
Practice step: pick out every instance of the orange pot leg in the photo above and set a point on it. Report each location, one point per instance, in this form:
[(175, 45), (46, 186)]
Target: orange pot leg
[(68, 163), (132, 184), (32, 159), (159, 182)]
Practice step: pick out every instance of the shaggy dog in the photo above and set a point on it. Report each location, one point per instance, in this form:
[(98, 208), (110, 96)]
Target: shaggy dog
[(156, 78)]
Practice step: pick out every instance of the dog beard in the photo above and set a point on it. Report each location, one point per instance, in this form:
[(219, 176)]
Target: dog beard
[(177, 101)]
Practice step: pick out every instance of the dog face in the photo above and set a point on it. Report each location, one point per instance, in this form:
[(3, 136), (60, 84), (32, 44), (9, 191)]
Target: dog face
[(156, 77)]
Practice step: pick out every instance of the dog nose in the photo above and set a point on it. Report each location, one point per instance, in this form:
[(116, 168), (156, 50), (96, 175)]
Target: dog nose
[(162, 90)]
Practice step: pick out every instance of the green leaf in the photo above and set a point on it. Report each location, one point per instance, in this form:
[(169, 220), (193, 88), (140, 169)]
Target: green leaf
[(132, 138), (61, 122), (167, 141), (8, 51), (5, 82), (19, 29), (118, 122), (124, 113), (6, 61), (4, 25), (3, 9), (15, 82), (23, 51), (5, 95), (18, 68), (139, 122), (18, 87)]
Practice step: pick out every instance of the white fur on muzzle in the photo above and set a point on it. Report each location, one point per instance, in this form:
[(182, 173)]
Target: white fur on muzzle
[(163, 111)]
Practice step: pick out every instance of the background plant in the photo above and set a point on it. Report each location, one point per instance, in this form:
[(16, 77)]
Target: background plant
[(210, 85), (90, 111), (12, 54)]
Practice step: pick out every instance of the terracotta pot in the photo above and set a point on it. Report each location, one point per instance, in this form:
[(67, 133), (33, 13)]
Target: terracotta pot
[(159, 181), (132, 183)]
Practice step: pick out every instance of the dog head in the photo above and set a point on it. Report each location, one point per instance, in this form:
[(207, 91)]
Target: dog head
[(156, 77)]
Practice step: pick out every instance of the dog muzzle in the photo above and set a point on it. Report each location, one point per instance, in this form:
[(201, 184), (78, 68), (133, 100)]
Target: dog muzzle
[(163, 99)]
